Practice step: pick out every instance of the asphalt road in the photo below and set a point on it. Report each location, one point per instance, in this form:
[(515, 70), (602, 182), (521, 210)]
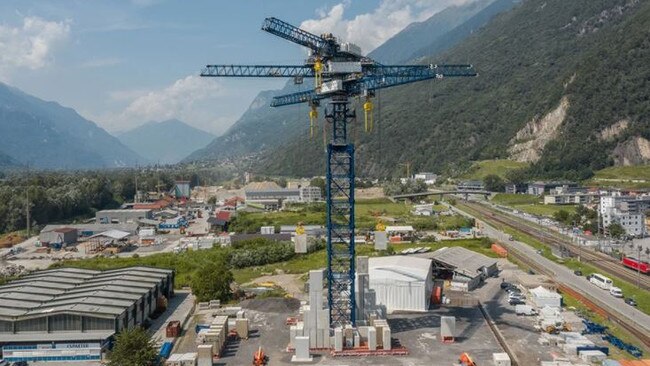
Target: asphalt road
[(579, 283)]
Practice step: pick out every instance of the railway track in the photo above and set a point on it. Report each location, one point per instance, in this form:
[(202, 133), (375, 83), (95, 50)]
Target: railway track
[(602, 261)]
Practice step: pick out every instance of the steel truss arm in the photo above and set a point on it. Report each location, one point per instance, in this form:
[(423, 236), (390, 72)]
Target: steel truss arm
[(294, 34), (258, 71)]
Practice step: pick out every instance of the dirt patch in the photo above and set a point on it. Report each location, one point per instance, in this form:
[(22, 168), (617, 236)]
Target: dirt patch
[(272, 305), (291, 283)]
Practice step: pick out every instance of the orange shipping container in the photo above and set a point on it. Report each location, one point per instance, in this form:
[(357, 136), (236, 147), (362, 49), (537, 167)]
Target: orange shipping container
[(498, 249)]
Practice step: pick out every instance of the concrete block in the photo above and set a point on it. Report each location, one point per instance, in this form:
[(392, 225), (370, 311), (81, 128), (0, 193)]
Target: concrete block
[(242, 328), (323, 321), (204, 352), (316, 277), (363, 332), (501, 359), (313, 336), (381, 240), (357, 340), (241, 314), (338, 339), (327, 339), (302, 350), (292, 335), (372, 338), (300, 243), (386, 339), (320, 335), (316, 300), (447, 328), (362, 265)]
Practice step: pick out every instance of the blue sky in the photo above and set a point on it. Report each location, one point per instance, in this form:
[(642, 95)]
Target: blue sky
[(122, 63)]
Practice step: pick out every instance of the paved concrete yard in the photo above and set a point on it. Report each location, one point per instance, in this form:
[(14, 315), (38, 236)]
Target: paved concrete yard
[(418, 332)]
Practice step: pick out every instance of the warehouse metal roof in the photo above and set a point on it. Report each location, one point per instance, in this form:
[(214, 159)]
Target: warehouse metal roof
[(107, 293), (399, 268), (463, 261), (51, 337)]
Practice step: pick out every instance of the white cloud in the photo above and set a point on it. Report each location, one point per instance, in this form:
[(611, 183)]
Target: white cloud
[(191, 99), (31, 45), (371, 29)]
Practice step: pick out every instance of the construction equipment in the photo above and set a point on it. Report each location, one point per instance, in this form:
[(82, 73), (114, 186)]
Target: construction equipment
[(260, 358), (466, 360), (341, 72)]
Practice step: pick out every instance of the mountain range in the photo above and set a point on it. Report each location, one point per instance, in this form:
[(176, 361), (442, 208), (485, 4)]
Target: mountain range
[(46, 135), (562, 85), (166, 142)]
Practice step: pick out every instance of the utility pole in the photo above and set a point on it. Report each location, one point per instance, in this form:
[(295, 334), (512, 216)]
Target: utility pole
[(135, 198), (29, 231), (638, 266)]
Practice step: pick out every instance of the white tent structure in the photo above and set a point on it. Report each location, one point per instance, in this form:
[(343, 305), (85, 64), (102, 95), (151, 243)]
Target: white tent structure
[(542, 297), (401, 283)]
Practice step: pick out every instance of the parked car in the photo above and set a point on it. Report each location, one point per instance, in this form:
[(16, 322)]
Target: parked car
[(616, 292), (505, 285), (516, 301), (577, 272), (630, 301)]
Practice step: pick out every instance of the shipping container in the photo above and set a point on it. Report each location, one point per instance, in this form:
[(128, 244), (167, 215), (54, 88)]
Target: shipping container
[(498, 249)]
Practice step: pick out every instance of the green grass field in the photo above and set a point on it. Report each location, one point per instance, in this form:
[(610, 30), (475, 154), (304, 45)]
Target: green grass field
[(483, 168), (530, 204), (625, 172)]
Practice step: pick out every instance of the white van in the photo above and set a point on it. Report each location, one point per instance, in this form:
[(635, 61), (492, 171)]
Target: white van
[(616, 292), (601, 281)]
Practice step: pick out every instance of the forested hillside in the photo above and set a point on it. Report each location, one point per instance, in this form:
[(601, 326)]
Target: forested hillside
[(546, 94)]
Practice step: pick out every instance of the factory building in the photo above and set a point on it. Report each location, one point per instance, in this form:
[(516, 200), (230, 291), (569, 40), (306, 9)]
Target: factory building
[(464, 268), (270, 196), (121, 216), (69, 314), (85, 230), (401, 283), (59, 236)]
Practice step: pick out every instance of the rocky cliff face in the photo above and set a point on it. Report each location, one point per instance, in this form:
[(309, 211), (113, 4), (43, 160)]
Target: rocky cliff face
[(529, 143), (634, 151)]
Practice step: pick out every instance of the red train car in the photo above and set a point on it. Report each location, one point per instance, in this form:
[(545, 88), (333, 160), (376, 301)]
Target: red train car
[(636, 264)]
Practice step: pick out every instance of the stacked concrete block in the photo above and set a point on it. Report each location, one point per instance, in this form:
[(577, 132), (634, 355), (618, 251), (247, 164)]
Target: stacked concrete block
[(302, 350), (241, 325), (215, 304), (383, 333), (300, 243), (447, 329), (204, 353), (315, 315), (338, 339), (372, 338), (217, 334), (362, 284), (381, 240), (386, 339)]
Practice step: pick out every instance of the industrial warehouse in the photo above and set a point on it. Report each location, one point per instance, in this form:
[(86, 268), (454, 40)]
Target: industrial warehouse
[(72, 314)]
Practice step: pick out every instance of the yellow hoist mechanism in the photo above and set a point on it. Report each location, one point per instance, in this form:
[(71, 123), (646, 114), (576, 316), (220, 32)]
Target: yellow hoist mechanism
[(367, 114), (300, 229), (380, 226), (313, 116), (318, 73)]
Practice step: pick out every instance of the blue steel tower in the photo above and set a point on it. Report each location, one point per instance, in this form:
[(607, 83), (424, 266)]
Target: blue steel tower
[(340, 72)]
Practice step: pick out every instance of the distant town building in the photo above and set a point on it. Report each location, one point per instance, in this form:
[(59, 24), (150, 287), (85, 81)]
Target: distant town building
[(540, 188), (270, 196), (628, 211), (471, 185), (122, 216), (428, 178), (181, 189), (515, 188)]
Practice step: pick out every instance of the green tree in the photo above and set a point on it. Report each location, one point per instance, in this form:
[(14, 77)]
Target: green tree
[(212, 282), (282, 182), (133, 347), (562, 216), (615, 230), (494, 183)]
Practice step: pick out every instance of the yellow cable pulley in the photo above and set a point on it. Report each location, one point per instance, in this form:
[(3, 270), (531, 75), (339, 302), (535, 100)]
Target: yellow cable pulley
[(318, 72), (300, 229), (380, 226), (367, 113), (313, 115)]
